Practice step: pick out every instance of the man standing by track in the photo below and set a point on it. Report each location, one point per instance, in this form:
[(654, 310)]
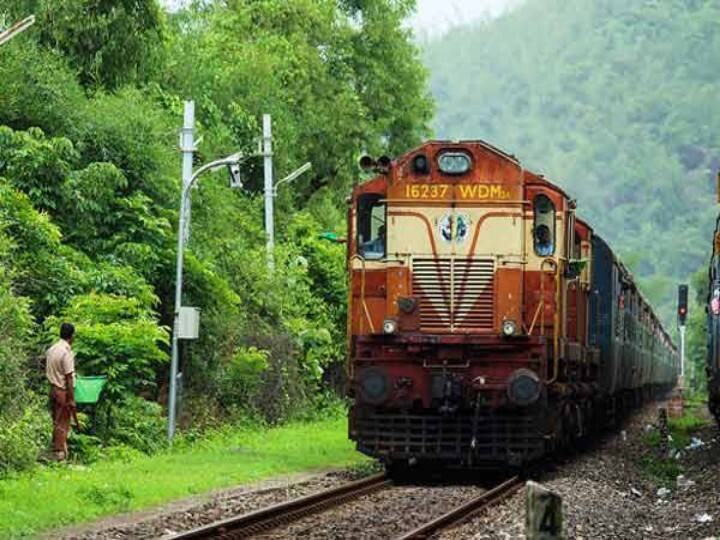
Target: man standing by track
[(60, 372)]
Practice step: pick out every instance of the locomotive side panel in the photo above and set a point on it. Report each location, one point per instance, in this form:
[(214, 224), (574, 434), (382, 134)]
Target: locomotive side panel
[(603, 311)]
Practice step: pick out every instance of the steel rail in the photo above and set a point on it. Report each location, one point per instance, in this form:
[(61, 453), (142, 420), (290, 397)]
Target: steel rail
[(463, 512), (272, 516)]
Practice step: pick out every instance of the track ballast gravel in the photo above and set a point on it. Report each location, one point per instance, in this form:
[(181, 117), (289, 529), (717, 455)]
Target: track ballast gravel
[(607, 494), (385, 514)]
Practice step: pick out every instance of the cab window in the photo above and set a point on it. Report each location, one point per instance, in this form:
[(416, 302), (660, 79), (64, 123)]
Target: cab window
[(544, 226), (371, 240)]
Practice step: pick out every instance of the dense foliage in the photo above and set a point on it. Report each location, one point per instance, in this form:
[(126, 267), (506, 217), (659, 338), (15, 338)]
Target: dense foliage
[(615, 100), (90, 107)]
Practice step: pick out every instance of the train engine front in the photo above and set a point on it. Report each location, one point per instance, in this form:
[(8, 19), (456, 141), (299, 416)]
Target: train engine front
[(454, 254)]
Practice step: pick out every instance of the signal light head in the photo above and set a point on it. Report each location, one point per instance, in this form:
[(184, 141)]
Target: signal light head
[(421, 164), (366, 163), (384, 162)]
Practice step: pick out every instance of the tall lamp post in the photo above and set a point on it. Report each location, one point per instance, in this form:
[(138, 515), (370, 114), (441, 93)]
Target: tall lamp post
[(186, 320)]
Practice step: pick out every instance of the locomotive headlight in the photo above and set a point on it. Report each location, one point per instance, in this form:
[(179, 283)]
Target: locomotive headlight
[(523, 387), (374, 385), (407, 304), (509, 327), (389, 326), (454, 162)]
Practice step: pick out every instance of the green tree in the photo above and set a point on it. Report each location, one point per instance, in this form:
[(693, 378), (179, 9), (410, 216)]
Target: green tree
[(109, 43)]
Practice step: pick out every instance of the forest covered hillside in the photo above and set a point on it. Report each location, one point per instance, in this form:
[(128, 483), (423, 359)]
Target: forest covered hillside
[(615, 100)]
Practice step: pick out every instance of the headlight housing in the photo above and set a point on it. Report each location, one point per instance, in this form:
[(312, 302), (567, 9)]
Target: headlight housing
[(523, 387), (454, 163), (509, 327), (389, 326), (407, 304), (374, 385)]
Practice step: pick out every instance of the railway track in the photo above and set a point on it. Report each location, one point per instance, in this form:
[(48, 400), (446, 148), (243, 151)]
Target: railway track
[(465, 511), (273, 516)]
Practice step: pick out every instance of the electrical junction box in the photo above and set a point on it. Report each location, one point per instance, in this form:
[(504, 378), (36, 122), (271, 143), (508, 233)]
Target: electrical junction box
[(189, 323)]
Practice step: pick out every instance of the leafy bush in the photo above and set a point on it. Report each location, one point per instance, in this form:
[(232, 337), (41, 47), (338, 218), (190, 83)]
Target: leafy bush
[(24, 425), (240, 379), (133, 422), (23, 435), (117, 337), (37, 88), (86, 448), (41, 266)]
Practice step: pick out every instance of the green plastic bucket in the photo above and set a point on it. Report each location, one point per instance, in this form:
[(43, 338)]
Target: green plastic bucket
[(87, 389)]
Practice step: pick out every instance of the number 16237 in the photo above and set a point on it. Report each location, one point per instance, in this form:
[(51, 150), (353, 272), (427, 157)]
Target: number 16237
[(424, 191)]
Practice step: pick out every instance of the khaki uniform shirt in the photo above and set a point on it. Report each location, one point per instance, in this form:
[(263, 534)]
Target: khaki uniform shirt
[(60, 361)]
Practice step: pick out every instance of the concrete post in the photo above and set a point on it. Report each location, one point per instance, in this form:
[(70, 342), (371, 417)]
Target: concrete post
[(543, 513)]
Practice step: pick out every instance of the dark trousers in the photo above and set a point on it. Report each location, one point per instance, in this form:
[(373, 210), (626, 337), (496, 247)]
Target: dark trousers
[(61, 414)]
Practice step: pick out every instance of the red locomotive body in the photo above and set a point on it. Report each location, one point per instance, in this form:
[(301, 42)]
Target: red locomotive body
[(478, 331)]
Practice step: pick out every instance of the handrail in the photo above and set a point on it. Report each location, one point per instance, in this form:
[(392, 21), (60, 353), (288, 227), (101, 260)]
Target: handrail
[(552, 263), (556, 329), (556, 321)]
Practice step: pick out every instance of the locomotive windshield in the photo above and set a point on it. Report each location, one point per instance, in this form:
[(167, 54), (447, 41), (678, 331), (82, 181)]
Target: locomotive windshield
[(371, 240)]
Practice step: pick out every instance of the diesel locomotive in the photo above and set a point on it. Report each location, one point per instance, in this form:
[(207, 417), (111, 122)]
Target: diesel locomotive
[(487, 324)]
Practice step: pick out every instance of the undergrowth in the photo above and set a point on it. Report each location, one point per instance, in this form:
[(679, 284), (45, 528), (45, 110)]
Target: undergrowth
[(665, 470)]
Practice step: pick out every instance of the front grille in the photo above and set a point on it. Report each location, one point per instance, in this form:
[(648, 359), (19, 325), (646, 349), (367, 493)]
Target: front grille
[(455, 294), (506, 437)]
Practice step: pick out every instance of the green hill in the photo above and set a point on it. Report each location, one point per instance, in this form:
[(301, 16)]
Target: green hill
[(615, 100)]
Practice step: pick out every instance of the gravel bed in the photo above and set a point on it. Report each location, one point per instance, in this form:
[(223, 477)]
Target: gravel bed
[(176, 517), (607, 494), (384, 514)]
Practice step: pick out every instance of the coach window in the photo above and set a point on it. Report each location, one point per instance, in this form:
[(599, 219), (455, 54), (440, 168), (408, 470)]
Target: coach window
[(544, 226), (371, 229)]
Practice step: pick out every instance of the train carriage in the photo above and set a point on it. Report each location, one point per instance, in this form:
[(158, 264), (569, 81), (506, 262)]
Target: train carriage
[(487, 324), (712, 367)]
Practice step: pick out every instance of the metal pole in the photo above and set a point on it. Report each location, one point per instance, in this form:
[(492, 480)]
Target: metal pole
[(682, 352), (268, 169), (187, 148)]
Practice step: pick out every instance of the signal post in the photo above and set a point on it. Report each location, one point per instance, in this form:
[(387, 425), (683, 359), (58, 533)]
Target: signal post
[(676, 404)]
